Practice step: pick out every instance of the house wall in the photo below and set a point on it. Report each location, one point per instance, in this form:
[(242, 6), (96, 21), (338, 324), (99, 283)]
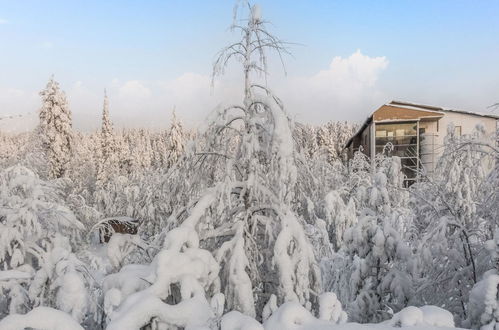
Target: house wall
[(468, 124), (466, 121)]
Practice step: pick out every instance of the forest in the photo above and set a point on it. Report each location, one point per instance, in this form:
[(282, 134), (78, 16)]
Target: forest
[(253, 221)]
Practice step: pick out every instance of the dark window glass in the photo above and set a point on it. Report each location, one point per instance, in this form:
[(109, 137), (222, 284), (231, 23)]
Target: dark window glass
[(400, 139)]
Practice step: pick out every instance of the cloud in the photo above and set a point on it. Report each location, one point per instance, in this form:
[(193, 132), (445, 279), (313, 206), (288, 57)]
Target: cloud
[(134, 90), (194, 97), (3, 21), (347, 90)]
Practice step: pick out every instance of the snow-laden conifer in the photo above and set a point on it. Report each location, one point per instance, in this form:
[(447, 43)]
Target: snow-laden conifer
[(55, 128), (106, 162), (175, 140)]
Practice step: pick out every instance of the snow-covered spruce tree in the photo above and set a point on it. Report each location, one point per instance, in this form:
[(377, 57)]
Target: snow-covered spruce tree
[(453, 221), (55, 129), (106, 162), (175, 140), (245, 218)]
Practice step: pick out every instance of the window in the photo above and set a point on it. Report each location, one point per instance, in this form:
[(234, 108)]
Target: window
[(402, 141)]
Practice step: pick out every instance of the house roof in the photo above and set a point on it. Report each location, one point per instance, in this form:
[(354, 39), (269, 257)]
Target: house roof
[(408, 105), (418, 107)]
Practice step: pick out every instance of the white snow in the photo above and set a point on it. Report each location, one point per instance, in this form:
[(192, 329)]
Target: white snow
[(237, 321), (42, 318)]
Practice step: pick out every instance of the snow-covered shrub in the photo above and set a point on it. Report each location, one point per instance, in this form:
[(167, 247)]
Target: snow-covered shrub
[(379, 278), (33, 219), (172, 291), (340, 216), (121, 245), (118, 197), (237, 321), (483, 307), (450, 227), (30, 210), (292, 315), (62, 281), (372, 271), (330, 308), (44, 318), (423, 316)]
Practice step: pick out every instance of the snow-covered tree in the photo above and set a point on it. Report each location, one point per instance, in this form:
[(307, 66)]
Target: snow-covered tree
[(483, 307), (32, 214), (106, 162), (372, 271), (175, 140), (453, 221), (332, 137), (243, 214), (55, 129), (379, 278), (340, 216)]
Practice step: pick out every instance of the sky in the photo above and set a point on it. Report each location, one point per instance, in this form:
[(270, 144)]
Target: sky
[(348, 57)]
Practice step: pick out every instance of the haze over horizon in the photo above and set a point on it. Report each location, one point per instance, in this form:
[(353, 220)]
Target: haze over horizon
[(351, 57)]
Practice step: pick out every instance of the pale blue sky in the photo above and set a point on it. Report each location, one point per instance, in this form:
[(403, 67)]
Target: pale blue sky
[(438, 52)]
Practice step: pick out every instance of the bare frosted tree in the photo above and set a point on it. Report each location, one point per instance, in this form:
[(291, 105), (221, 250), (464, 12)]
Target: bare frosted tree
[(247, 158), (251, 48)]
